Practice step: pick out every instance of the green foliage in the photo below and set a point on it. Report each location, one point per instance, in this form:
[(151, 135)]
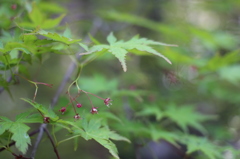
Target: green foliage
[(201, 144), (153, 101), (99, 84), (18, 130), (46, 112), (229, 74), (121, 48), (184, 116), (219, 61), (57, 37), (39, 19), (87, 130), (93, 130), (151, 110), (157, 134)]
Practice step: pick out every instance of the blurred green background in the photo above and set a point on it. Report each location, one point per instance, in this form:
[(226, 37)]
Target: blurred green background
[(152, 97)]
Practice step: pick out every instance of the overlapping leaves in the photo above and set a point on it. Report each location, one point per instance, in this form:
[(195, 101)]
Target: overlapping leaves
[(93, 129), (39, 19), (203, 145), (183, 116), (18, 129)]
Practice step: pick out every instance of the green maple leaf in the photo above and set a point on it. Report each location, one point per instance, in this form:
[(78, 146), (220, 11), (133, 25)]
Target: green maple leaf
[(57, 37), (157, 134), (46, 112), (186, 116), (39, 19), (151, 110), (29, 43), (203, 145), (94, 130), (19, 131), (121, 48), (75, 127), (28, 117)]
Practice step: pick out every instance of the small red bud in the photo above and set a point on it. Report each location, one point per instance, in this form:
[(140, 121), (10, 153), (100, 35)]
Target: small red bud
[(79, 105), (94, 110), (63, 109), (46, 119), (77, 116), (107, 101)]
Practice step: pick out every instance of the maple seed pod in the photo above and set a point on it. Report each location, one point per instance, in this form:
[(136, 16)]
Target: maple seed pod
[(63, 109), (79, 105), (107, 101), (94, 110), (46, 119), (77, 116)]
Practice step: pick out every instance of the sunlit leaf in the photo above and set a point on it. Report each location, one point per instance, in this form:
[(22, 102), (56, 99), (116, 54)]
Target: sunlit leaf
[(39, 19), (51, 23), (51, 7), (58, 37), (36, 16), (111, 38)]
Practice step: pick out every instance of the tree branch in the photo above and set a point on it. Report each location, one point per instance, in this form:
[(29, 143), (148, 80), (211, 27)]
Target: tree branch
[(52, 142), (19, 156), (41, 128)]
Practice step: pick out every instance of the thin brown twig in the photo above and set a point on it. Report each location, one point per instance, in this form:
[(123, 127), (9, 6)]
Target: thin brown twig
[(52, 142), (89, 100), (71, 101), (92, 94), (96, 25), (41, 128), (20, 156)]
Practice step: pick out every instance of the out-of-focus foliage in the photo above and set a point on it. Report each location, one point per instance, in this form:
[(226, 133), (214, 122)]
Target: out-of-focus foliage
[(193, 104)]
